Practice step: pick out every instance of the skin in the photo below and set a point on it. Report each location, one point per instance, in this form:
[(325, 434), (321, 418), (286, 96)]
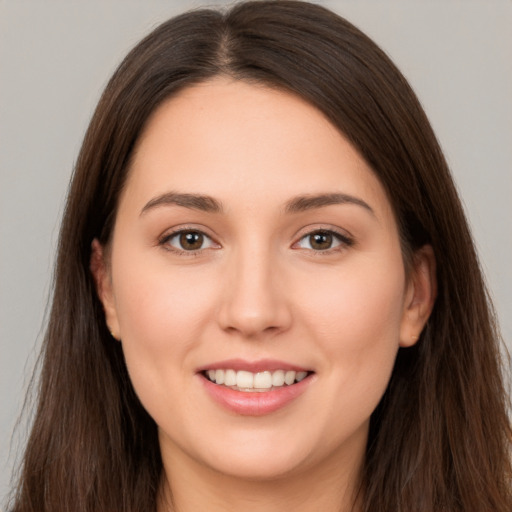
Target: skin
[(257, 289)]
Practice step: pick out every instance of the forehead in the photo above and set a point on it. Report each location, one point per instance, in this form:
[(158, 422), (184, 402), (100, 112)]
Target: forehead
[(244, 142)]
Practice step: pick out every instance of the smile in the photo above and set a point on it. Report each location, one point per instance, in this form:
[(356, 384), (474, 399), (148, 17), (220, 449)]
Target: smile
[(255, 388), (254, 382)]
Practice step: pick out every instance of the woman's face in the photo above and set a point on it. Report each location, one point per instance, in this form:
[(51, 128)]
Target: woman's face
[(252, 246)]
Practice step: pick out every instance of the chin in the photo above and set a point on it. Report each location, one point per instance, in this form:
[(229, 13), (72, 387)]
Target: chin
[(259, 467), (264, 455)]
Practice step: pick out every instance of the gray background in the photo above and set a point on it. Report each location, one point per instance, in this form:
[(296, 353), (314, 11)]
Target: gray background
[(56, 56)]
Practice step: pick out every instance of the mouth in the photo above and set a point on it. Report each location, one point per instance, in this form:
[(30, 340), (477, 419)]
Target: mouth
[(255, 388), (258, 382)]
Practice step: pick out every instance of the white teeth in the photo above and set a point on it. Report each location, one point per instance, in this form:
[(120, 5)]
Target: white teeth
[(219, 376), (300, 376), (278, 378), (230, 378), (263, 380), (289, 377), (245, 381)]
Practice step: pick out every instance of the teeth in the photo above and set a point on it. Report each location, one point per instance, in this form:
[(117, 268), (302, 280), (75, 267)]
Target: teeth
[(289, 377), (278, 378), (301, 376), (245, 381), (229, 377), (219, 376), (263, 380)]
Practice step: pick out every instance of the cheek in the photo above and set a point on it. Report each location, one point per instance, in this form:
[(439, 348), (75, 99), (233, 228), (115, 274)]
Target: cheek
[(355, 317), (158, 301), (366, 298), (162, 312)]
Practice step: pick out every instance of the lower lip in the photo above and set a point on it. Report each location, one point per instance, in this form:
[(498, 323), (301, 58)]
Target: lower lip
[(257, 403)]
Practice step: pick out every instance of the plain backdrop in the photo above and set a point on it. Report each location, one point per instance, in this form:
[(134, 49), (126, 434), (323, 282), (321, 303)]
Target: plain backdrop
[(56, 56)]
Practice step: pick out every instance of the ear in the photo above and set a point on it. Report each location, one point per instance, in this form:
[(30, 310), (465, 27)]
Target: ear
[(101, 273), (420, 295)]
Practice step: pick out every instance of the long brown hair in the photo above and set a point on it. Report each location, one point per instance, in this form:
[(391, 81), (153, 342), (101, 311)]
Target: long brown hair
[(440, 438)]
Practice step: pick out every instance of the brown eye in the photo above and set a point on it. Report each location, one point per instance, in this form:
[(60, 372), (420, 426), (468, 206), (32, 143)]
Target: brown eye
[(323, 240), (188, 241), (320, 241), (191, 240)]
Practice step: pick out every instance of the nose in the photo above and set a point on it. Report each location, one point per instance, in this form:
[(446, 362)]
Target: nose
[(254, 300)]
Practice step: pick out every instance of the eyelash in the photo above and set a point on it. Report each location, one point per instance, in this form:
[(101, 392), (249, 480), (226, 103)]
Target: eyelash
[(343, 241), (164, 241)]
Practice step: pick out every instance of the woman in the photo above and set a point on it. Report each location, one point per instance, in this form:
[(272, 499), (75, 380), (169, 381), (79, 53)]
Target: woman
[(266, 292)]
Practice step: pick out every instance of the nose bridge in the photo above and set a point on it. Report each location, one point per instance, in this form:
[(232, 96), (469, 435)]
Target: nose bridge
[(253, 302)]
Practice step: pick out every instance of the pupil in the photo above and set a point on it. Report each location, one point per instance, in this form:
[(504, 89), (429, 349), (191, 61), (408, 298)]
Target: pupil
[(191, 240), (321, 241)]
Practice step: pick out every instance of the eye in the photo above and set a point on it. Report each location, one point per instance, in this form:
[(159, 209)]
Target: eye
[(323, 240), (188, 241)]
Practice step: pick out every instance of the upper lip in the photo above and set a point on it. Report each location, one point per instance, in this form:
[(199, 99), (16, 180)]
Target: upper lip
[(260, 365)]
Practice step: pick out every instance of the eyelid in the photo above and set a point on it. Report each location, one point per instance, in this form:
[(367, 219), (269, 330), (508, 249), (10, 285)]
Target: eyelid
[(345, 239), (174, 232)]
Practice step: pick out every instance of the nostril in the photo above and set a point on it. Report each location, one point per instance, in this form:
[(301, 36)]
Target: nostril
[(252, 303)]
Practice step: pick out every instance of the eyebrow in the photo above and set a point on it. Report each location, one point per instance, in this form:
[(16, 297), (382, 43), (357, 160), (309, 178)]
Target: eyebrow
[(192, 201), (310, 202), (295, 205)]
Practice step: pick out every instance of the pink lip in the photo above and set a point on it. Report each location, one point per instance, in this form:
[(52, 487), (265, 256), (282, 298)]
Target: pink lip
[(261, 365), (254, 403)]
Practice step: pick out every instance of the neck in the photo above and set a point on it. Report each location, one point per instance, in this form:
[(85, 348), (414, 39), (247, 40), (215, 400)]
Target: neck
[(189, 486)]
